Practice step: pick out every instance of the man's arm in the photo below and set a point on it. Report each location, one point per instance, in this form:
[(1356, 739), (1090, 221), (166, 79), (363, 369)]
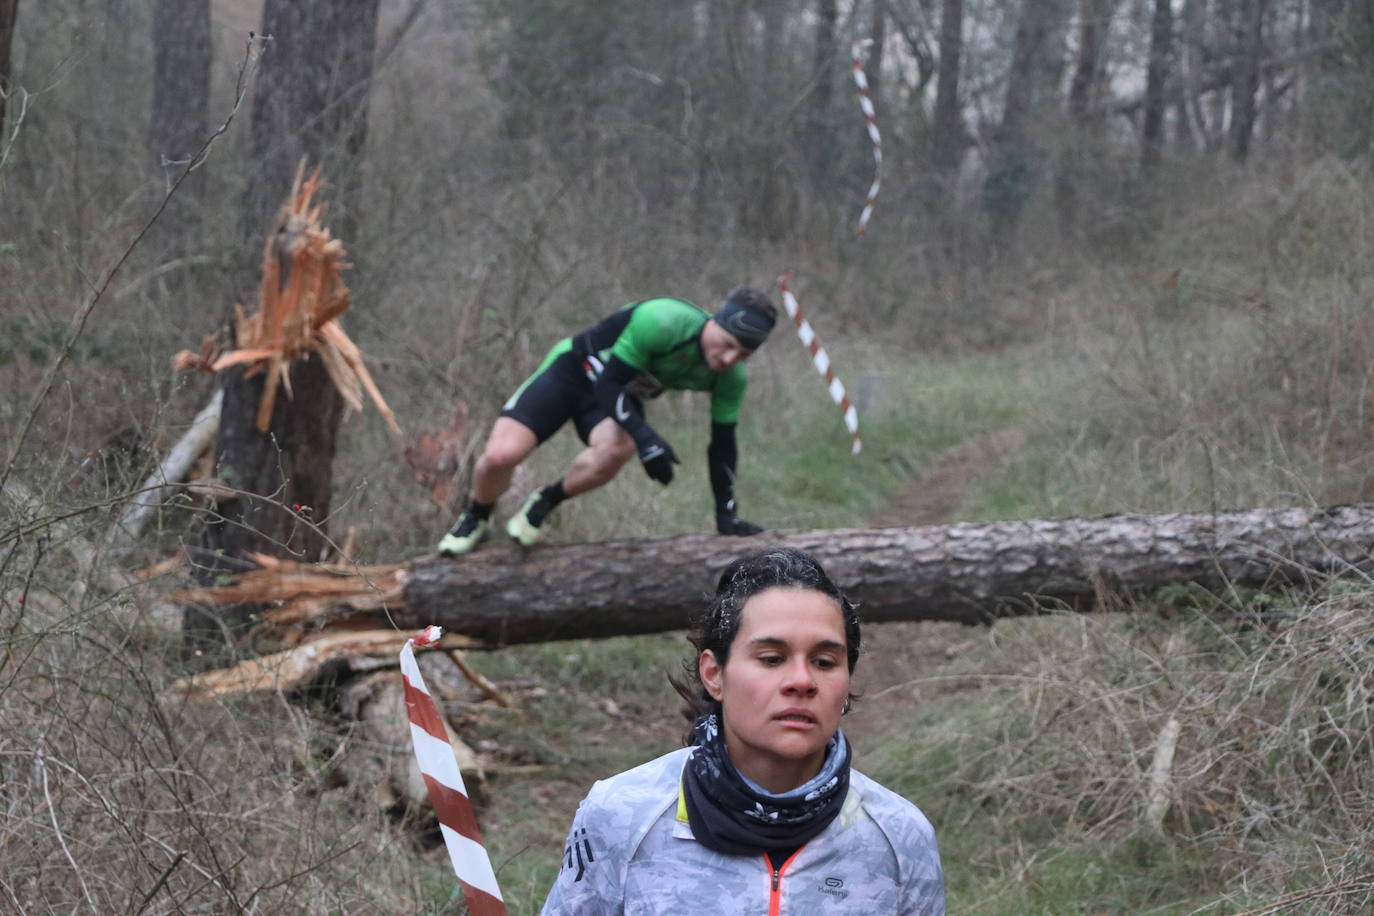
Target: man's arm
[(655, 453), (721, 456)]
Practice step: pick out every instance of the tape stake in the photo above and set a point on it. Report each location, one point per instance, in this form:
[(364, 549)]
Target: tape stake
[(821, 360), (858, 53), (444, 782)]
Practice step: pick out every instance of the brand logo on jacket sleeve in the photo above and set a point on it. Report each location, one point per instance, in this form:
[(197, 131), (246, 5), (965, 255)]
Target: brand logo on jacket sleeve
[(578, 853)]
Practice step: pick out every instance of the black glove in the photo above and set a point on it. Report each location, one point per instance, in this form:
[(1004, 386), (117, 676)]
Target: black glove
[(730, 523), (658, 459)]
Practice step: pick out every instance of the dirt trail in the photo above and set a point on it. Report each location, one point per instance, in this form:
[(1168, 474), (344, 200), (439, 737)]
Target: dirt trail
[(897, 653), (934, 497)]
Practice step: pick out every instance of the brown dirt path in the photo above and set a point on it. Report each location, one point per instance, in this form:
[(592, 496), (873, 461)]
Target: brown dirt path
[(897, 653)]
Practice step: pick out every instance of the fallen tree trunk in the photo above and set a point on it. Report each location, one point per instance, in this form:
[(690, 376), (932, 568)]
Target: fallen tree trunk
[(971, 573)]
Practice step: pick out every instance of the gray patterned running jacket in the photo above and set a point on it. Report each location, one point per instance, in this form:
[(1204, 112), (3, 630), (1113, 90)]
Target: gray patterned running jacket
[(631, 853)]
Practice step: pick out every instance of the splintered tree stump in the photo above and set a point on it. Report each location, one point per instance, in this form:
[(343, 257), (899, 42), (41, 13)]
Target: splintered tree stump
[(971, 573)]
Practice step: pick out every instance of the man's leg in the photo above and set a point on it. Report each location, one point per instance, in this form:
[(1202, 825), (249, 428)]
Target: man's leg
[(608, 448), (510, 443)]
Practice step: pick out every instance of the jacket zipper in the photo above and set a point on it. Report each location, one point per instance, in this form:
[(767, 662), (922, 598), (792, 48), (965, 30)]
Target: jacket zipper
[(775, 894)]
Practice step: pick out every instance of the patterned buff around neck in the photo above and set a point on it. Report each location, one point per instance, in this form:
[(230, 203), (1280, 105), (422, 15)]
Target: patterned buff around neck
[(730, 814)]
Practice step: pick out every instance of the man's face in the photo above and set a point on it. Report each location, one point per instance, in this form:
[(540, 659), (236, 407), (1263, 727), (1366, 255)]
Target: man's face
[(720, 348)]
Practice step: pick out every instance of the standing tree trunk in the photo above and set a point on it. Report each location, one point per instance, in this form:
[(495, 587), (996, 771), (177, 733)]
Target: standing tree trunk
[(181, 83), (9, 13), (823, 70), (1156, 80), (947, 133), (310, 104), (1245, 85), (1192, 131), (1080, 155), (179, 123), (1013, 166), (875, 55)]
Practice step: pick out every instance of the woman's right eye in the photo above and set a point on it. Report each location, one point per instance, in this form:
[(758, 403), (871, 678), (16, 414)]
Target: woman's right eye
[(770, 660)]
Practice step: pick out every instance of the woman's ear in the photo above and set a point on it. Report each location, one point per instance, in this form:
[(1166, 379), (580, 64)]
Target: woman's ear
[(711, 674)]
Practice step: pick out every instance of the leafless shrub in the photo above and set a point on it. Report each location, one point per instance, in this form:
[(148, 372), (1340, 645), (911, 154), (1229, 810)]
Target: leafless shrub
[(117, 797), (1271, 706)]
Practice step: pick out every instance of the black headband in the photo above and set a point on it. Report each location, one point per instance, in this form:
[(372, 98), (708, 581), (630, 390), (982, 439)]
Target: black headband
[(748, 326)]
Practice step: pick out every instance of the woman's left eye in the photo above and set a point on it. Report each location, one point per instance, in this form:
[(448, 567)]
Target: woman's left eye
[(825, 664)]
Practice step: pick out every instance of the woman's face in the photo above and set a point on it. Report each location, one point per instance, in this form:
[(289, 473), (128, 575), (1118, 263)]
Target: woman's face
[(784, 686)]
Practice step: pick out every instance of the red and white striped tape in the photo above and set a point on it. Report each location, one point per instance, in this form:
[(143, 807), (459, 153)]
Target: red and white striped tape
[(447, 793), (821, 360), (858, 52)]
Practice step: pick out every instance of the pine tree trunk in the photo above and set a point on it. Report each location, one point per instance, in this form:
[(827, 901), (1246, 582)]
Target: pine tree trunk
[(1250, 40), (972, 573), (179, 122), (823, 63), (1080, 156), (311, 102), (1013, 165), (1157, 75), (947, 133)]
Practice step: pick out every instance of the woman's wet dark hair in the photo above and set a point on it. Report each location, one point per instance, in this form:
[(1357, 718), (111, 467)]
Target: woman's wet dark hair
[(718, 625)]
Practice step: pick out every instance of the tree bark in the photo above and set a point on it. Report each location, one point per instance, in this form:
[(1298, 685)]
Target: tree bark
[(878, 34), (818, 141), (1157, 75), (181, 83), (971, 573), (310, 101), (1013, 166), (1193, 132), (9, 14), (1081, 155), (947, 133), (1250, 40), (180, 119)]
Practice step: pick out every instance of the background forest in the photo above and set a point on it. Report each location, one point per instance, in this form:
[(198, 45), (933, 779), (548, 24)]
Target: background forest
[(1119, 262)]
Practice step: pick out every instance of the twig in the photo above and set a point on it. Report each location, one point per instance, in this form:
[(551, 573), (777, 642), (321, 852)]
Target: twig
[(57, 829), (1359, 882), (494, 693), (136, 831), (14, 134), (167, 873)]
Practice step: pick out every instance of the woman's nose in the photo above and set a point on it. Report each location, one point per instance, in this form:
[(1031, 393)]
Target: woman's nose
[(800, 678)]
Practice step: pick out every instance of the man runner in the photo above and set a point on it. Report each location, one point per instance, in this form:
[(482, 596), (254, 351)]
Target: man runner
[(599, 380)]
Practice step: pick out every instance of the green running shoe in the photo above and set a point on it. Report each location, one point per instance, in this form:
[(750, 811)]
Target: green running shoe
[(467, 533), (523, 526)]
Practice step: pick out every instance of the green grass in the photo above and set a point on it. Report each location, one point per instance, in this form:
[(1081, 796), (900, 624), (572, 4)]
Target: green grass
[(796, 469)]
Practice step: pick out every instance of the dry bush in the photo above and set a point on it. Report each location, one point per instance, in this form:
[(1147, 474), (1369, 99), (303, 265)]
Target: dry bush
[(1227, 363), (117, 797), (1272, 708)]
